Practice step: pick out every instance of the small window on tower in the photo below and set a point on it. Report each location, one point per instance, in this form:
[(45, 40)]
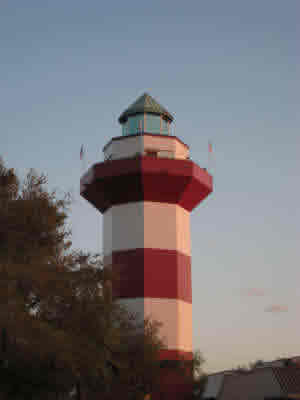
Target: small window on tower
[(166, 154), (151, 153)]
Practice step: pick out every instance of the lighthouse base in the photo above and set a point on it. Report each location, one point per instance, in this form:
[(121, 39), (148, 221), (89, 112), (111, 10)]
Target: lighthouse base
[(176, 376), (175, 383)]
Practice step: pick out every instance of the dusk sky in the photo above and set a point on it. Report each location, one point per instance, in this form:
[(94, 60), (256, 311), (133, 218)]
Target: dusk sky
[(229, 72)]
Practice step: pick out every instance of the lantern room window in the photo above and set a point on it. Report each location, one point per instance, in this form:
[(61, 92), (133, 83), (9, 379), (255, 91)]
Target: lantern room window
[(146, 123), (153, 123), (164, 126), (133, 125)]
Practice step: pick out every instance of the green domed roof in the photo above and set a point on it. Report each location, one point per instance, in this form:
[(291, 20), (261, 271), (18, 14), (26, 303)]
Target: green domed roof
[(145, 104)]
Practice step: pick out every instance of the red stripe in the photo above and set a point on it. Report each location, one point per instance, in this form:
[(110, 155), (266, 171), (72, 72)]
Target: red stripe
[(175, 383), (148, 179), (152, 273), (175, 355)]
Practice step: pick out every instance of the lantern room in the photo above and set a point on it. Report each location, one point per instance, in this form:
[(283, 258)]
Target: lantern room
[(145, 115)]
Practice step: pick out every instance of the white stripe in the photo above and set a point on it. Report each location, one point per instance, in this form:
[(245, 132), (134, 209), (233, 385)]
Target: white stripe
[(175, 315), (146, 225)]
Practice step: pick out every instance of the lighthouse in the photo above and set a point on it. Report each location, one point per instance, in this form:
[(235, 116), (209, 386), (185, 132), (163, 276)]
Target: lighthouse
[(146, 187)]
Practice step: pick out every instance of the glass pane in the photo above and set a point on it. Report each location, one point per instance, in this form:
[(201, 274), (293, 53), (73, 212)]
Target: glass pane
[(153, 123), (124, 129), (140, 123), (132, 125), (135, 124), (164, 127)]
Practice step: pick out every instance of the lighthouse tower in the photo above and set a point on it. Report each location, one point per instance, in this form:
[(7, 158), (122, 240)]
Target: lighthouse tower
[(146, 188)]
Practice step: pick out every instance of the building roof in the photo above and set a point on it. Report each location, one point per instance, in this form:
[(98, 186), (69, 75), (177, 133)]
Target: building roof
[(145, 104), (288, 379), (267, 382)]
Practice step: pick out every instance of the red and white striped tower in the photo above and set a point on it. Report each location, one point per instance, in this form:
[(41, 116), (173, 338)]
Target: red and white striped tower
[(146, 188)]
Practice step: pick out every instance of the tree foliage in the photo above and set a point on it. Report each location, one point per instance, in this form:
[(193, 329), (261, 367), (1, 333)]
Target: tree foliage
[(256, 364), (252, 365), (61, 330), (197, 377)]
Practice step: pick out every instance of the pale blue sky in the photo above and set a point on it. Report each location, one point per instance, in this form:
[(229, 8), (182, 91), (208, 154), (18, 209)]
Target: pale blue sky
[(229, 71)]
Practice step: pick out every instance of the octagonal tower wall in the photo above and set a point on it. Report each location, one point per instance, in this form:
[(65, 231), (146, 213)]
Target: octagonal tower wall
[(160, 146)]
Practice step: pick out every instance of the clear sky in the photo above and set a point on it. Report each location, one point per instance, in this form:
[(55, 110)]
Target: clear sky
[(229, 71)]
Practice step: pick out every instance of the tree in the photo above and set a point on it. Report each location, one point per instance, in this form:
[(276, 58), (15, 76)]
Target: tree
[(256, 364), (61, 330), (250, 366), (197, 378), (197, 364)]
